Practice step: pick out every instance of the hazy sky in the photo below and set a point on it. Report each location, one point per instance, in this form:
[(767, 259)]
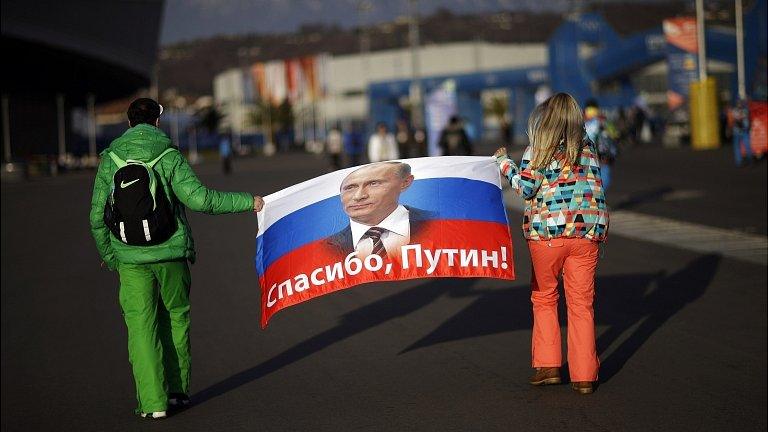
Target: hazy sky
[(189, 19)]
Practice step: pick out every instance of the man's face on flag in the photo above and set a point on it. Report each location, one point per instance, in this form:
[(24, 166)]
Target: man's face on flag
[(371, 193)]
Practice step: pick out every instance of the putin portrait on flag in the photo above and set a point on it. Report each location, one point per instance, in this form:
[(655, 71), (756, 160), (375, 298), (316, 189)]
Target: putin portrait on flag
[(378, 222)]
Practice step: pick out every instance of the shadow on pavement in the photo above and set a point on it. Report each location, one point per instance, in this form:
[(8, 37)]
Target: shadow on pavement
[(642, 197), (355, 322), (672, 294), (622, 302)]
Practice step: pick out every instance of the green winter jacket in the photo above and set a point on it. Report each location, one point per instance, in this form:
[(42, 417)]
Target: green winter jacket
[(144, 142)]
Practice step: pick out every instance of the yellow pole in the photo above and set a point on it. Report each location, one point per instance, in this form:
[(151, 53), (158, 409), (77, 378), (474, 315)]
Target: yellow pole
[(705, 128), (705, 121)]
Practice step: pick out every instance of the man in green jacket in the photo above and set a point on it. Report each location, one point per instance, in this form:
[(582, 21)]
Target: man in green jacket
[(155, 280)]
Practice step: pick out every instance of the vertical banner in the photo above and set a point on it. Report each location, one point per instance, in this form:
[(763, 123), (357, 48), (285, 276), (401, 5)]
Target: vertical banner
[(682, 62), (308, 68), (274, 72), (294, 78), (758, 133), (386, 221), (259, 82), (323, 64), (440, 105)]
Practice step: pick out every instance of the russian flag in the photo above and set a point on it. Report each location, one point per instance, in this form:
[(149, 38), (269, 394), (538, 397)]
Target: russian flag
[(458, 228)]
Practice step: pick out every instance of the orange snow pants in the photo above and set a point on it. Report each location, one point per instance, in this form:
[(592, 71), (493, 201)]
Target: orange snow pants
[(576, 260)]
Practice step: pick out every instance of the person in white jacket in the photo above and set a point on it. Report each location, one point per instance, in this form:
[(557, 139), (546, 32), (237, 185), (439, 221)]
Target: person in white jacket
[(382, 145)]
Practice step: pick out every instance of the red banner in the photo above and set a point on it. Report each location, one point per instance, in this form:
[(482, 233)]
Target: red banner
[(758, 133)]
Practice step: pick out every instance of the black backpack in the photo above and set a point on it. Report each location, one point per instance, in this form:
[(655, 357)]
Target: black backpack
[(137, 210)]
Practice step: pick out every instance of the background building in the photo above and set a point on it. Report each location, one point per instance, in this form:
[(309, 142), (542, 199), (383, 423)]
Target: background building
[(584, 55)]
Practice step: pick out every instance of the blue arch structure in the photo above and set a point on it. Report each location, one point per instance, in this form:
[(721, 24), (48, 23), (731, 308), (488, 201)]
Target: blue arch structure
[(613, 60), (616, 58)]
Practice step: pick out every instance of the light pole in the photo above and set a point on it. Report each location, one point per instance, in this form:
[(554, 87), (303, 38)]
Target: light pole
[(60, 121), (415, 90), (6, 129), (154, 86), (193, 156), (740, 50), (237, 122), (175, 124), (91, 102), (701, 40), (363, 7)]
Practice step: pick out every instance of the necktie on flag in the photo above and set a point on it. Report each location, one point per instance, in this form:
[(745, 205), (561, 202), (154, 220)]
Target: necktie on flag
[(375, 234)]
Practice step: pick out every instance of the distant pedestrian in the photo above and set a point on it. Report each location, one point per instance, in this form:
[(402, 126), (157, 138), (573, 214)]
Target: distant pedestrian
[(420, 141), (637, 124), (353, 144), (470, 130), (333, 146), (382, 145), (454, 140), (225, 153), (507, 131), (725, 120), (404, 139), (622, 127), (138, 222), (742, 151), (604, 135), (565, 218)]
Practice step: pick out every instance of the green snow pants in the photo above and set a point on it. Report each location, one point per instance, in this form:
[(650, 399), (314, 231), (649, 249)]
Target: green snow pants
[(155, 302)]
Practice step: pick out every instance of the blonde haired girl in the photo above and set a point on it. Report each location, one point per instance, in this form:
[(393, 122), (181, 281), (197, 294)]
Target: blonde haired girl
[(565, 218)]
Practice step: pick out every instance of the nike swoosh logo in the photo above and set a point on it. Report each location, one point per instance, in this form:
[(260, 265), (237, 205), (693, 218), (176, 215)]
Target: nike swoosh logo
[(125, 185)]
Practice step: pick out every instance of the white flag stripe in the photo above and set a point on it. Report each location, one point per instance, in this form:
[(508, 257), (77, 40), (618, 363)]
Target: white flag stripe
[(481, 168)]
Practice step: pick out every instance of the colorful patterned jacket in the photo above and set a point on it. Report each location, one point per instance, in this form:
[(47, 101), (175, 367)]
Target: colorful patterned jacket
[(560, 201)]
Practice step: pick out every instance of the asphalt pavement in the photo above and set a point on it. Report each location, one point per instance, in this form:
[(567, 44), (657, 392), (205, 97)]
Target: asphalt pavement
[(681, 332)]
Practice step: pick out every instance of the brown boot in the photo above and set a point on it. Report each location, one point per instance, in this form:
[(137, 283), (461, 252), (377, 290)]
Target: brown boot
[(583, 387), (546, 376)]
